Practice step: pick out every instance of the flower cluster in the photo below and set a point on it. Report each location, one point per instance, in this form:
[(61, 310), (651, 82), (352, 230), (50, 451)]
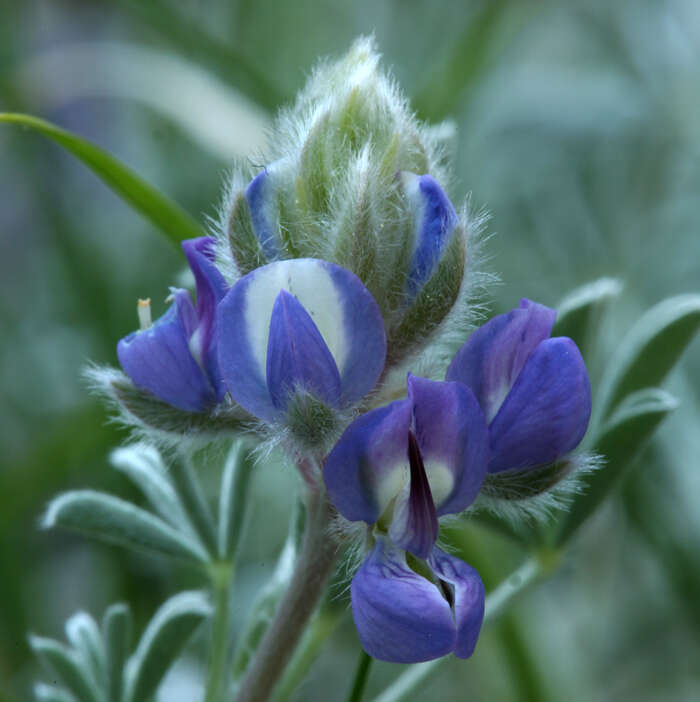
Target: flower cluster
[(341, 261), (513, 399)]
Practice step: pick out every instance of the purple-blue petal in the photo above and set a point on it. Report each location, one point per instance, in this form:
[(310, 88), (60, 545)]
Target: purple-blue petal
[(452, 434), (436, 221), (211, 288), (297, 355), (358, 471), (243, 375), (363, 332), (493, 356), (259, 195), (343, 310), (159, 360), (546, 413), (400, 616), (468, 594)]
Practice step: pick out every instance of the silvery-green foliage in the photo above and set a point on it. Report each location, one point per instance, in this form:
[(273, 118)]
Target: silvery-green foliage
[(96, 667), (179, 523)]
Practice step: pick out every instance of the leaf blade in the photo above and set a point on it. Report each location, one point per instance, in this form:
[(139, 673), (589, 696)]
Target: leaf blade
[(63, 662), (578, 312), (117, 521), (651, 348), (116, 631), (174, 621), (619, 444), (165, 214)]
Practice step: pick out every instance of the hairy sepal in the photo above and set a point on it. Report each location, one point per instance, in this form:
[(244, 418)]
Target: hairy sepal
[(160, 422)]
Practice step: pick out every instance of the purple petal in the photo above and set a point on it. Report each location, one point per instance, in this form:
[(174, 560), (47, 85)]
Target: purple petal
[(211, 288), (436, 219), (362, 352), (159, 360), (546, 413), (400, 616), (493, 356), (453, 440), (340, 306), (414, 525), (297, 355), (468, 593), (369, 466), (259, 195)]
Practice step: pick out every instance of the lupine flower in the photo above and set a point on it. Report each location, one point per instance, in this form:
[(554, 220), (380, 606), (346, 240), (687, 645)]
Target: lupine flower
[(300, 325), (175, 357), (399, 468), (534, 390), (435, 221)]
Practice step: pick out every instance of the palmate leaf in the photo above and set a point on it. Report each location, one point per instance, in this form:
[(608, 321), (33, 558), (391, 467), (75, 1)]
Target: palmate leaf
[(169, 217), (164, 637), (64, 663)]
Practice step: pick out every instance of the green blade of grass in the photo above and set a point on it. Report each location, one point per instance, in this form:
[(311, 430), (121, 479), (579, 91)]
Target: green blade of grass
[(166, 215)]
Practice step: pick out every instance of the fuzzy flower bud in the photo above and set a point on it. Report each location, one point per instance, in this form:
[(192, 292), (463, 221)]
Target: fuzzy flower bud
[(354, 179)]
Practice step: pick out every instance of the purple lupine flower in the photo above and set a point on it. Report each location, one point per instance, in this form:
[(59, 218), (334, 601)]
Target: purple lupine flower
[(435, 221), (299, 325), (533, 389), (175, 358), (399, 468)]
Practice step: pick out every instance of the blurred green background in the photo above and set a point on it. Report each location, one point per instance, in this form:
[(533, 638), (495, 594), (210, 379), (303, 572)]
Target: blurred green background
[(578, 127)]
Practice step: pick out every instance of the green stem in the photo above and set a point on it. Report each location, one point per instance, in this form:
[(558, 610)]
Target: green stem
[(528, 681), (221, 575), (190, 490), (496, 602), (361, 676), (314, 565)]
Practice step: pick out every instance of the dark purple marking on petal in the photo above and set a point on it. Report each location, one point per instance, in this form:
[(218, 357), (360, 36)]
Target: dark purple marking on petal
[(468, 595), (451, 431), (159, 360), (211, 288), (546, 413), (368, 452), (415, 525), (400, 616), (494, 355), (297, 355)]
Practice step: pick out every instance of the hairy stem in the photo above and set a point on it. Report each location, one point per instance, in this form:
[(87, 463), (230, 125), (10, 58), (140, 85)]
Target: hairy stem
[(314, 564), (320, 628)]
